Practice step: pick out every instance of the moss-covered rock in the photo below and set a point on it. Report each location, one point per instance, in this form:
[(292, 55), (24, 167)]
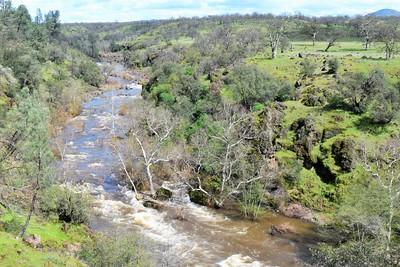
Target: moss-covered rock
[(344, 153), (306, 137), (163, 194)]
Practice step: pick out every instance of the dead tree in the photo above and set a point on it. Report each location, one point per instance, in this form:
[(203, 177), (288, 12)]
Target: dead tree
[(384, 167)]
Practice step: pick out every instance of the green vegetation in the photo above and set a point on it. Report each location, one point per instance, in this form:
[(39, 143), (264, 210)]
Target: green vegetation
[(289, 107), (251, 112)]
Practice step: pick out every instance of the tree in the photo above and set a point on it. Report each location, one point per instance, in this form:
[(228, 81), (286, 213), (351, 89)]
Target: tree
[(29, 120), (312, 29), (151, 130), (223, 150), (334, 34), (23, 19), (276, 31), (388, 33), (366, 30), (39, 17), (250, 85), (360, 89), (383, 166), (53, 24)]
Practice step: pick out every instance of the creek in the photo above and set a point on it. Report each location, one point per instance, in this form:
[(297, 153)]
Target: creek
[(204, 237)]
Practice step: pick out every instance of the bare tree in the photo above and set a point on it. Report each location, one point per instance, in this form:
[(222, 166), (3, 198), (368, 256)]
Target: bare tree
[(312, 29), (367, 27), (333, 37), (389, 35), (150, 132), (384, 167), (276, 31), (223, 149)]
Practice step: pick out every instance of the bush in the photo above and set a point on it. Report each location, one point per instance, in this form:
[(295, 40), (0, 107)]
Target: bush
[(333, 66), (118, 250), (307, 68), (65, 205), (352, 254), (251, 200)]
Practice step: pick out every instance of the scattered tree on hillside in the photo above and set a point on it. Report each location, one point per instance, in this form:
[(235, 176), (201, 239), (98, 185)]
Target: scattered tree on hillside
[(312, 29), (276, 31), (384, 168), (334, 34), (389, 34)]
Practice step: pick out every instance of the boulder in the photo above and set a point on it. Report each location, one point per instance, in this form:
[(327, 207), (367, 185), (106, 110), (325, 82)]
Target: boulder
[(33, 241), (306, 137), (73, 248), (298, 211), (281, 229), (163, 194), (344, 153)]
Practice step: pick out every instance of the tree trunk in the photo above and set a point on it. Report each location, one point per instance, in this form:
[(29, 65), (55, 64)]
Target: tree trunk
[(273, 50), (150, 177), (28, 219), (314, 38), (330, 44)]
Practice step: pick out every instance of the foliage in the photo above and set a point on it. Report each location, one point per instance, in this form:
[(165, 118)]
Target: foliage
[(65, 205), (117, 250), (333, 66)]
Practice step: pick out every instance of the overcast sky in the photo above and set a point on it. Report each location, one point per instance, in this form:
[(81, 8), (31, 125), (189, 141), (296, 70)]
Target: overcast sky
[(129, 10)]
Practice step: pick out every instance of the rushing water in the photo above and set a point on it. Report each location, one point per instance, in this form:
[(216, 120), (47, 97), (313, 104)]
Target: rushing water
[(204, 237)]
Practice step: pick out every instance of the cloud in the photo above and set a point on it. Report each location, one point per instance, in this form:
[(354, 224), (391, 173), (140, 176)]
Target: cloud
[(129, 10)]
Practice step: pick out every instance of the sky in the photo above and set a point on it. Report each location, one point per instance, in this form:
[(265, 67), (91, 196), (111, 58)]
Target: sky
[(133, 10)]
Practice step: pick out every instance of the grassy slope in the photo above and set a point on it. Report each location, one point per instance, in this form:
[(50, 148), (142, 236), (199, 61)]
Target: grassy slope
[(15, 252), (353, 59)]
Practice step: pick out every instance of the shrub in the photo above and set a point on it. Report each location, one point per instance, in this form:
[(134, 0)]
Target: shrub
[(307, 68), (66, 205), (118, 250), (352, 254), (333, 66), (251, 200)]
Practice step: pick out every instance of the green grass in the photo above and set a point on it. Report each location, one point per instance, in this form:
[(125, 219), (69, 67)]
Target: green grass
[(351, 55), (15, 252)]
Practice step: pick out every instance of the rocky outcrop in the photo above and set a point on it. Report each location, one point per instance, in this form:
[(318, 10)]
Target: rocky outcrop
[(306, 137), (298, 211), (344, 153)]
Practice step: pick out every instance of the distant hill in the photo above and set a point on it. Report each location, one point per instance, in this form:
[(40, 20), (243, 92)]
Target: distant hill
[(386, 13)]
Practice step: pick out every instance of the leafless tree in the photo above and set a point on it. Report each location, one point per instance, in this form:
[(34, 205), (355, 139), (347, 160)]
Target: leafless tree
[(149, 135), (276, 31), (389, 35), (384, 166), (333, 37), (367, 27), (226, 152), (312, 29)]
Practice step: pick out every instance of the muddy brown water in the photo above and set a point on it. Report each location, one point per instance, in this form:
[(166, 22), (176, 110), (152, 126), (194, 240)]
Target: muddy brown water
[(204, 237)]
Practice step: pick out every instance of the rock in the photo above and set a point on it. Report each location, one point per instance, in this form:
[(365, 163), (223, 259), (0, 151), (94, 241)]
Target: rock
[(306, 137), (163, 194), (297, 211), (297, 84), (344, 153), (73, 248), (281, 229), (151, 204), (34, 241), (329, 133)]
